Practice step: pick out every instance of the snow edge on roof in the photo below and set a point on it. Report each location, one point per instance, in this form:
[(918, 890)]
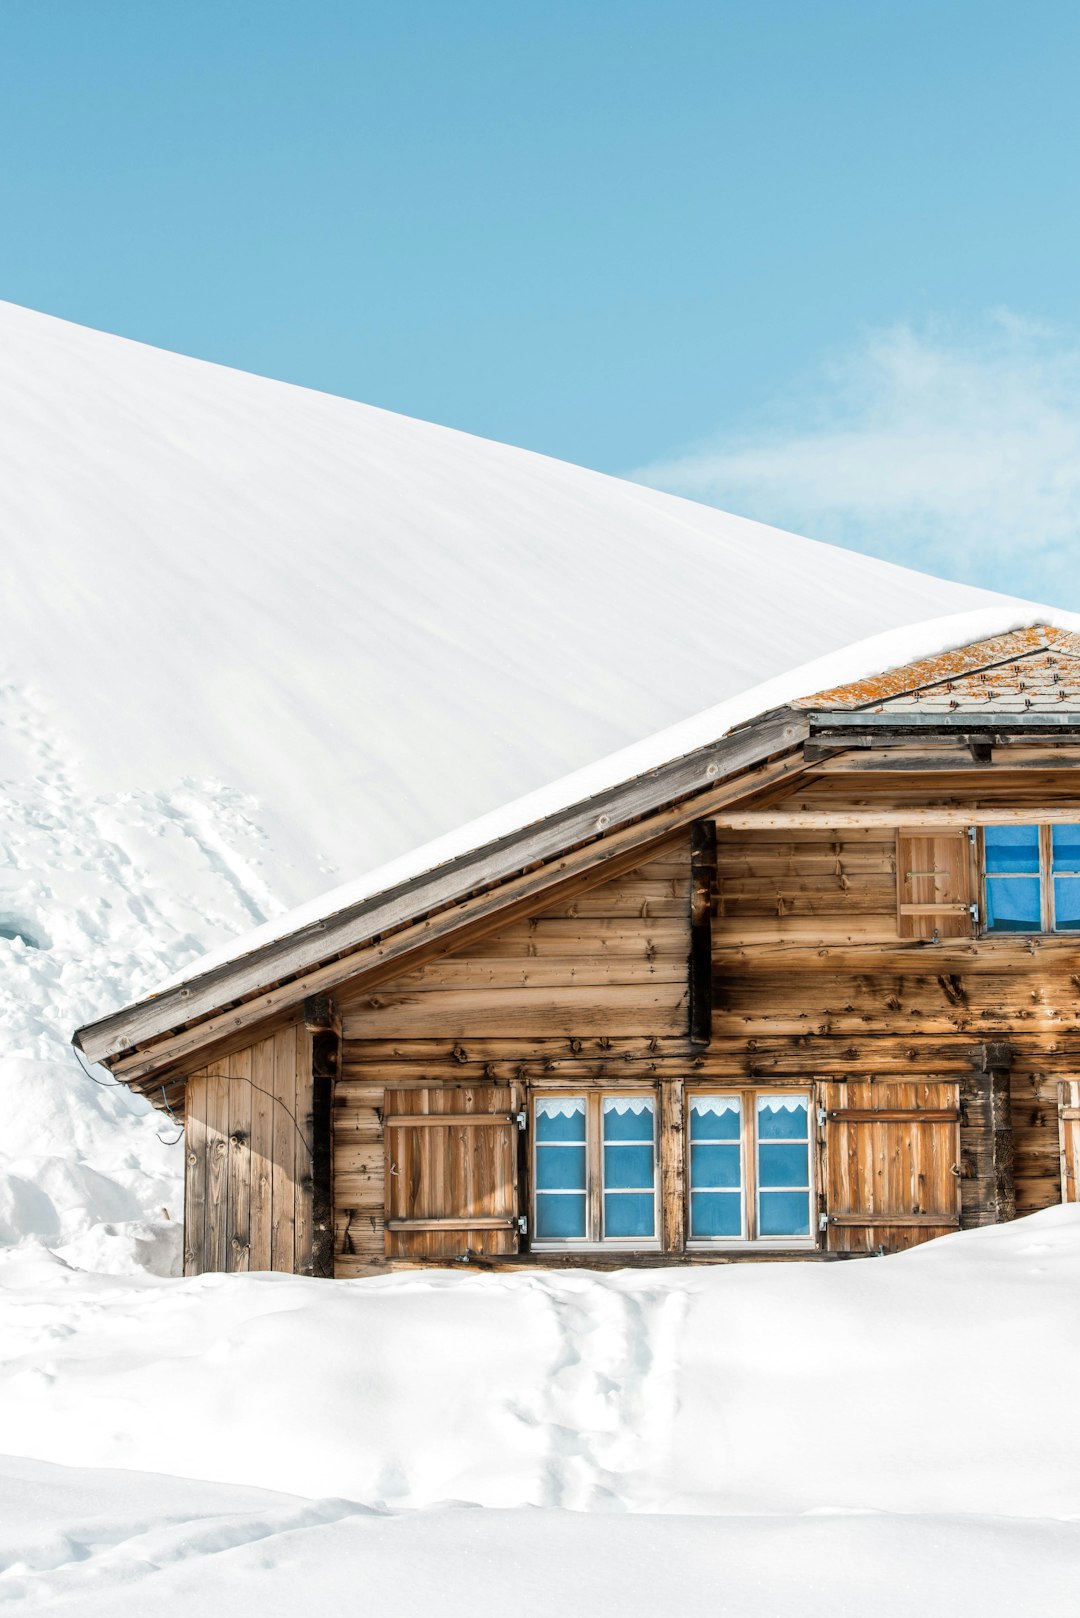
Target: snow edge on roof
[(875, 655)]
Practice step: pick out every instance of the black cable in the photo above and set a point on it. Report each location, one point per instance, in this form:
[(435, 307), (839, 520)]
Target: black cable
[(106, 1084), (278, 1102), (112, 1084)]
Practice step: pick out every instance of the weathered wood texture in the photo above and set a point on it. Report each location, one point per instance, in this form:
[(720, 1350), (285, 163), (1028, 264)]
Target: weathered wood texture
[(611, 961), (589, 988), (890, 1163), (247, 1199), (986, 1139), (1069, 1138), (702, 905), (451, 1187), (632, 814)]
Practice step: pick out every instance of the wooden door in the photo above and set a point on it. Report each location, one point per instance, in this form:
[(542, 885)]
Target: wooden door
[(451, 1171), (890, 1170), (1069, 1138)]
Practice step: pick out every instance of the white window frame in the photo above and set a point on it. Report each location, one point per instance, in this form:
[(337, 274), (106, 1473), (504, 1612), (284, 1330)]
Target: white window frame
[(748, 1098), (594, 1240)]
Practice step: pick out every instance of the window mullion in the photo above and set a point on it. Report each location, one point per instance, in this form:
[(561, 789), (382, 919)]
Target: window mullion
[(1046, 864), (748, 1137), (594, 1166)]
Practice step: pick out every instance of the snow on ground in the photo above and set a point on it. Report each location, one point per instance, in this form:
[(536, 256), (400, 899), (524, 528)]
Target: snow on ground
[(120, 1544), (780, 1435)]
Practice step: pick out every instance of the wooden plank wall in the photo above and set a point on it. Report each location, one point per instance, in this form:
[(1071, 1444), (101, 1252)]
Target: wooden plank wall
[(812, 982), (247, 1195), (595, 988), (811, 977)]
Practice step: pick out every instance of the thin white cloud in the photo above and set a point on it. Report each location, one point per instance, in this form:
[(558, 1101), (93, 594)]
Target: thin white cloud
[(954, 452)]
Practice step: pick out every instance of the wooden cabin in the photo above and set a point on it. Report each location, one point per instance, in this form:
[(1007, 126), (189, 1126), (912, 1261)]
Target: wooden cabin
[(811, 990)]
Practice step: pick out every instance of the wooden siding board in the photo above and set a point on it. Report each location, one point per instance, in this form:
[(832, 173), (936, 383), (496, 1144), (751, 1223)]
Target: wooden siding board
[(195, 1165), (261, 1166), (238, 1226), (283, 1238), (217, 1171)]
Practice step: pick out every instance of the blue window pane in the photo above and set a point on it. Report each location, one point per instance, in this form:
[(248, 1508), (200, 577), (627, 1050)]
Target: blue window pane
[(1066, 848), (559, 1217), (714, 1165), (1067, 903), (784, 1213), (715, 1213), (1012, 848), (782, 1119), (714, 1125), (627, 1124), (560, 1124), (628, 1214), (1013, 904), (628, 1166), (560, 1168), (783, 1164)]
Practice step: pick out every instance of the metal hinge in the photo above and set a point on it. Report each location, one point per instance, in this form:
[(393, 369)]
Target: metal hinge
[(972, 835), (973, 911), (522, 1119), (822, 1117), (522, 1225), (823, 1221)]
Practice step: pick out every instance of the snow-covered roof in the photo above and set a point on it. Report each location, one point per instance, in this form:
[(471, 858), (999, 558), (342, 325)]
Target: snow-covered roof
[(865, 658), (429, 872)]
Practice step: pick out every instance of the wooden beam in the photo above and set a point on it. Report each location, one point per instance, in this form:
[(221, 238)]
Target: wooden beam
[(672, 1166), (702, 905), (841, 725), (325, 1068), (986, 1138), (849, 819)]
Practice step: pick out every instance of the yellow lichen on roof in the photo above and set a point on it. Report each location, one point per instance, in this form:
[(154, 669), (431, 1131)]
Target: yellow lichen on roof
[(1027, 668)]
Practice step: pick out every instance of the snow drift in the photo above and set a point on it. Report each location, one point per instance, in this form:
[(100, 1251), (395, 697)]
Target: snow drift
[(878, 1385)]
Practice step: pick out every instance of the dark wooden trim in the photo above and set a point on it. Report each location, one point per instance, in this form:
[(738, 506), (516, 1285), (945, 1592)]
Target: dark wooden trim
[(702, 906), (319, 1012), (325, 1066), (986, 1139)]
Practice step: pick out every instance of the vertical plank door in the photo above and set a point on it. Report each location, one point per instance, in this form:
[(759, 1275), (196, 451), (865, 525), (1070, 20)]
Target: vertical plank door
[(451, 1171), (890, 1162)]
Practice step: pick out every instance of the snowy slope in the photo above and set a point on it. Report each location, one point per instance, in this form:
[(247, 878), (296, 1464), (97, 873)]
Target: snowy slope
[(378, 627), (256, 640), (782, 1434)]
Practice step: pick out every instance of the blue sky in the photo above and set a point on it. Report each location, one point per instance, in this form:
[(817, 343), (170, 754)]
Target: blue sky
[(814, 261)]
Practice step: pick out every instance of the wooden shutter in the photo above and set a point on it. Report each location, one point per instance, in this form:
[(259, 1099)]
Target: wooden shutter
[(890, 1171), (934, 883), (1069, 1137), (451, 1171)]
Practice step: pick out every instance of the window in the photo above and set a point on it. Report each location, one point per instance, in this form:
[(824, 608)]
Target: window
[(750, 1175), (1032, 878), (594, 1169)]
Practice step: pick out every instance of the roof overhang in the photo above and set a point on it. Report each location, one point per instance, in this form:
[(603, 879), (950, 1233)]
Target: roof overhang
[(280, 967)]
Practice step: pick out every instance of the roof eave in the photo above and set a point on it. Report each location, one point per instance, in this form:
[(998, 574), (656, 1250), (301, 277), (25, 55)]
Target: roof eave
[(109, 1038)]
